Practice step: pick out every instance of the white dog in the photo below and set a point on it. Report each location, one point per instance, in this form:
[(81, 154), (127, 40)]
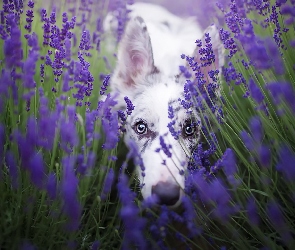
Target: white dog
[(147, 72)]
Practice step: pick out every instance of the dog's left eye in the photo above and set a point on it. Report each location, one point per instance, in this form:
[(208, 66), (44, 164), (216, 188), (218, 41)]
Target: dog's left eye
[(140, 128), (189, 129)]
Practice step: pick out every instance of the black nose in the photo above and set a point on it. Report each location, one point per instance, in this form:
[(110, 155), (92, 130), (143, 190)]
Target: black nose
[(167, 193)]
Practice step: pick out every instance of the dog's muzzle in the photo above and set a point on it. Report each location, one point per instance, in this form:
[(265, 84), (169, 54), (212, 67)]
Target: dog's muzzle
[(167, 193)]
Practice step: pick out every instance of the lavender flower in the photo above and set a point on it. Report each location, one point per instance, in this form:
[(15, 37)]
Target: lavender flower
[(228, 42), (95, 245), (282, 90), (69, 189), (68, 135), (252, 212), (164, 147), (109, 179), (29, 70), (110, 127), (256, 128), (130, 106), (13, 169), (37, 170), (47, 125), (277, 219), (171, 124), (30, 16), (51, 186), (255, 91), (264, 153), (13, 52), (134, 224), (105, 84), (190, 215), (26, 245), (286, 163)]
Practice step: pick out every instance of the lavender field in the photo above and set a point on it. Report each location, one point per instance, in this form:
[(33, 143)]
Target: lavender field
[(65, 178)]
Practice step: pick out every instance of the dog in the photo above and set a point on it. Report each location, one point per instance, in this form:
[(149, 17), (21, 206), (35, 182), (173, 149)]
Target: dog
[(148, 73)]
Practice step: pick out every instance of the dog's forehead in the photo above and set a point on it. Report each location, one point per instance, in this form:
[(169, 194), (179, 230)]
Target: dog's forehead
[(154, 100)]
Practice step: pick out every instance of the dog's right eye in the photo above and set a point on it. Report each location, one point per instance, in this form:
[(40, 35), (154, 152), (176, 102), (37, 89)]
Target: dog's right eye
[(140, 128)]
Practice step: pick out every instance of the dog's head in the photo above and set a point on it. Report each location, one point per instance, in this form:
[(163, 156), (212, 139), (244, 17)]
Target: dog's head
[(152, 92)]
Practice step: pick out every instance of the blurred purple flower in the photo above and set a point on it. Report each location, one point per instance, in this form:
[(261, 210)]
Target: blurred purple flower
[(108, 182), (110, 128), (255, 91), (2, 143), (51, 186), (133, 223), (135, 155), (229, 162), (13, 52), (26, 245), (256, 128), (286, 163), (264, 153), (282, 90), (95, 245), (68, 135), (37, 170), (276, 217), (12, 168), (220, 196), (189, 216), (47, 125), (69, 190), (252, 212), (29, 70)]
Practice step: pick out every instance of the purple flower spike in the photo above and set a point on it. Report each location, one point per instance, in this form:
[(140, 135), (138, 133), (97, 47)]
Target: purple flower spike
[(95, 245), (29, 70), (68, 134), (229, 162), (134, 224), (286, 163), (252, 212), (37, 170), (69, 191), (13, 52), (2, 143), (130, 106), (165, 147), (255, 91), (13, 169), (277, 219), (51, 186), (264, 156), (110, 127), (105, 84), (256, 128), (109, 179)]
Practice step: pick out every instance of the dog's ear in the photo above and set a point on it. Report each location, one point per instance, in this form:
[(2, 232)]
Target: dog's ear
[(135, 56)]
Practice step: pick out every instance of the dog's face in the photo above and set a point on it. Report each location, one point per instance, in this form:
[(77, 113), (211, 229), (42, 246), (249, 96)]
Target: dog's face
[(152, 92), (164, 173)]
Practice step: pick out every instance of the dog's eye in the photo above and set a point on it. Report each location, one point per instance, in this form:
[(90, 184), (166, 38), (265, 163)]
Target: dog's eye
[(140, 128), (189, 129)]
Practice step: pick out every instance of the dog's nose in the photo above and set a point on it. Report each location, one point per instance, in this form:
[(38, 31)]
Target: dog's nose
[(167, 193)]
